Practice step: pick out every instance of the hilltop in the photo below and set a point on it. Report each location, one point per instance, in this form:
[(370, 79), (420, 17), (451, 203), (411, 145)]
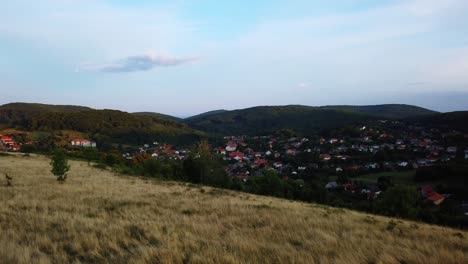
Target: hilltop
[(36, 108), (158, 115), (393, 111), (98, 217)]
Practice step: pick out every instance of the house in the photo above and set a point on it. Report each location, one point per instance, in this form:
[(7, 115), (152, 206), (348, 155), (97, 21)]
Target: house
[(429, 194), (350, 187), (277, 165), (7, 140), (372, 166), (452, 150), (221, 151), (237, 155), (231, 147), (402, 164), (15, 147), (331, 185), (80, 142)]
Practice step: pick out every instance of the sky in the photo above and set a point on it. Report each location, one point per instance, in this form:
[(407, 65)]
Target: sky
[(184, 57)]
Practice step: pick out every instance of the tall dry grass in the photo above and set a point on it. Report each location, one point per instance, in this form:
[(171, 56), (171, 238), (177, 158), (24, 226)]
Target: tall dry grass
[(98, 217)]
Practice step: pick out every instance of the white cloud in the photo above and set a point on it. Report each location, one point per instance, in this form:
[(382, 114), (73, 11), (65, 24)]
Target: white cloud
[(136, 63)]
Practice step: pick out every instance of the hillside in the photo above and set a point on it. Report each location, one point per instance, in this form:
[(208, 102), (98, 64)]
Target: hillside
[(157, 115), (15, 112), (206, 114), (114, 126), (268, 119), (33, 107), (452, 120), (104, 126), (396, 111), (98, 217)]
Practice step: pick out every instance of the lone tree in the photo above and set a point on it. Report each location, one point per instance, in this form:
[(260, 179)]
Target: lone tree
[(60, 165)]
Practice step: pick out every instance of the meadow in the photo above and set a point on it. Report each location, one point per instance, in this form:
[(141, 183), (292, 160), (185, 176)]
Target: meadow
[(97, 216)]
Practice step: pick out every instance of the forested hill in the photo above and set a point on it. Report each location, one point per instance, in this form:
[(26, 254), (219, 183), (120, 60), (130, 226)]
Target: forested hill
[(268, 119), (303, 119), (452, 120), (15, 112), (396, 111), (35, 108), (158, 115), (105, 126)]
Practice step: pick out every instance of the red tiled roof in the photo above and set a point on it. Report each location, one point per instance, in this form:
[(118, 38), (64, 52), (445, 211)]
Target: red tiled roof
[(435, 197)]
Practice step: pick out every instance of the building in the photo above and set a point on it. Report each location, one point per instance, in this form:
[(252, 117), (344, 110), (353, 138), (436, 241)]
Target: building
[(80, 142)]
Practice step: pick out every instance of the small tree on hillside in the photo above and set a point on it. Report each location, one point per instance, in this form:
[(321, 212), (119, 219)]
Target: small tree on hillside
[(60, 166)]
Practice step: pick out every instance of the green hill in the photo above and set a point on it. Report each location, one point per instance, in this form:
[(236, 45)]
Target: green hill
[(303, 119), (15, 112), (158, 115), (35, 108), (452, 120), (104, 126), (206, 114), (268, 119), (386, 110)]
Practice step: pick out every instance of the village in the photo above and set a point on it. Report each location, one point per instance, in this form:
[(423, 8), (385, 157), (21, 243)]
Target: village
[(383, 146), (342, 157)]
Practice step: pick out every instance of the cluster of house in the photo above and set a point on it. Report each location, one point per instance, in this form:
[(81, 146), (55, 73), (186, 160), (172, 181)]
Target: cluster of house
[(8, 143), (414, 147), (159, 151), (338, 154), (81, 142)]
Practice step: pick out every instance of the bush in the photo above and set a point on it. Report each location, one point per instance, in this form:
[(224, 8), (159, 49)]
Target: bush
[(399, 201), (60, 165)]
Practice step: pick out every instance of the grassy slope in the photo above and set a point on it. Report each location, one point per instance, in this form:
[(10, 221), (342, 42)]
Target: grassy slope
[(97, 217), (400, 177)]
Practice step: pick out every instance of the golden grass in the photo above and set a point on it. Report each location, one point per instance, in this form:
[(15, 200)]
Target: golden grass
[(97, 217)]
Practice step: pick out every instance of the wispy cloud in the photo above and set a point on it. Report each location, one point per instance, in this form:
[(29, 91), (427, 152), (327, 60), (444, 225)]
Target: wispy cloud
[(137, 63)]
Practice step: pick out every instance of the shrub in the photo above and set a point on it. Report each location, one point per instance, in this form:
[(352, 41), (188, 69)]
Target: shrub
[(60, 166)]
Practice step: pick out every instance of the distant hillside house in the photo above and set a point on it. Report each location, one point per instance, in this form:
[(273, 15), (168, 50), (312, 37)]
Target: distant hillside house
[(80, 142)]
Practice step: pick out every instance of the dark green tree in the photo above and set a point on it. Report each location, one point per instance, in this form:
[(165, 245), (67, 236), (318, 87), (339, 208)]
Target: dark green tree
[(401, 201), (60, 166)]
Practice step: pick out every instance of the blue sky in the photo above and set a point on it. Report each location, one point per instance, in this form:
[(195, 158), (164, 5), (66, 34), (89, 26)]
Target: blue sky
[(185, 57)]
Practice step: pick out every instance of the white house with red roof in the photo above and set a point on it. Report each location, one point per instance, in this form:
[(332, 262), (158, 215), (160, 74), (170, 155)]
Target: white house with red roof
[(7, 140), (81, 142), (231, 147)]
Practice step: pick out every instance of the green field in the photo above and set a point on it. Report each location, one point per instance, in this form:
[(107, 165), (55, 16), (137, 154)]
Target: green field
[(402, 177)]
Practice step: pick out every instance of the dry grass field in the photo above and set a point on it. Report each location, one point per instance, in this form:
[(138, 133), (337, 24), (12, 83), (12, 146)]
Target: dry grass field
[(98, 217)]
